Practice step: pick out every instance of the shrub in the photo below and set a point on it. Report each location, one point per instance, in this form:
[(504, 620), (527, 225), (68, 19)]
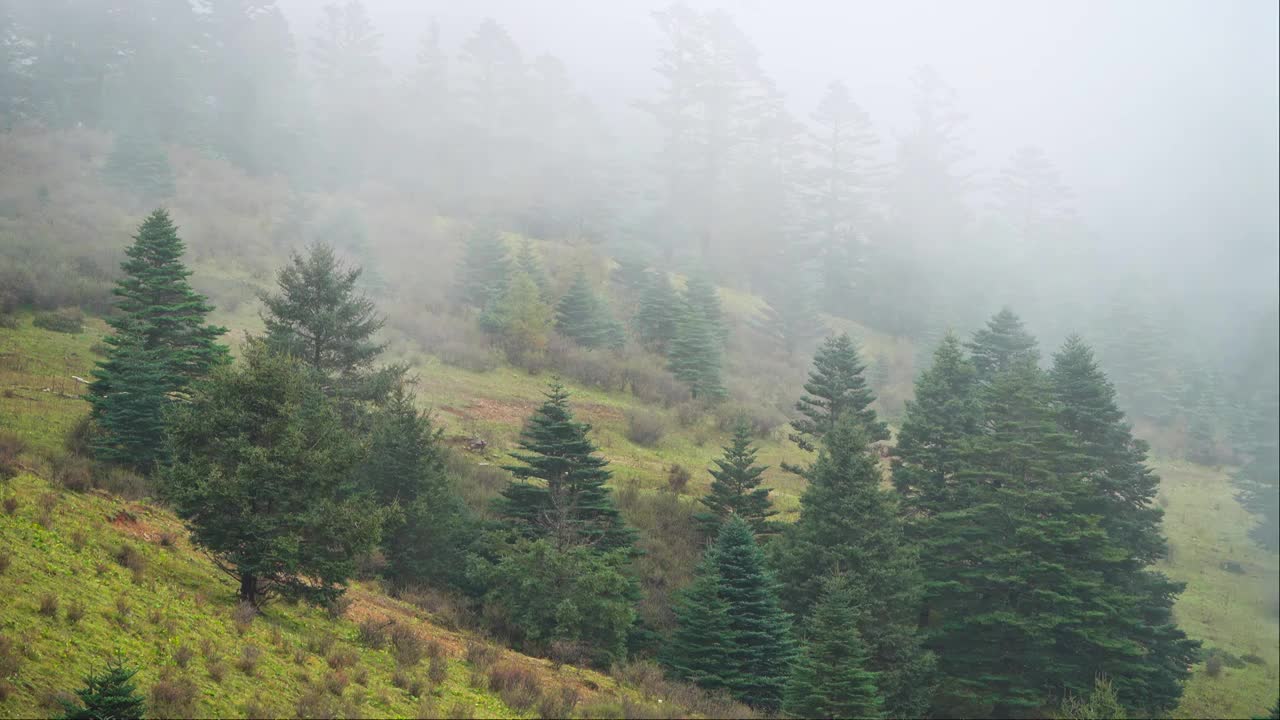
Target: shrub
[(516, 684), (172, 697), (645, 427), (63, 321), (336, 682), (459, 711), (123, 483), (242, 616), (678, 478), (130, 558), (481, 655), (10, 659), (78, 540), (360, 676), (75, 612), (438, 671), (1252, 659), (314, 703), (762, 419), (372, 633), (689, 414), (5, 560), (337, 607), (11, 446), (182, 656), (342, 658), (1213, 666), (217, 671), (123, 608), (10, 505), (248, 660), (319, 643), (168, 539), (49, 605), (558, 704), (73, 473), (406, 645)]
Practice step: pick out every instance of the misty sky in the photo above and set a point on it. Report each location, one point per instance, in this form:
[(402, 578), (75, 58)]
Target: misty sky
[(1161, 114)]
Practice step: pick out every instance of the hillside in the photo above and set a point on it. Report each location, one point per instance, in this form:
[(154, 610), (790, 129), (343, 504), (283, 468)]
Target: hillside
[(88, 574), (63, 546)]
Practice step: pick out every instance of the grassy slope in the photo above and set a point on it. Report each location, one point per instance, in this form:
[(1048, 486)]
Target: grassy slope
[(62, 544), (1235, 612)]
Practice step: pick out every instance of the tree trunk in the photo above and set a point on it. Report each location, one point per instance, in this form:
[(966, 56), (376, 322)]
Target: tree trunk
[(249, 588)]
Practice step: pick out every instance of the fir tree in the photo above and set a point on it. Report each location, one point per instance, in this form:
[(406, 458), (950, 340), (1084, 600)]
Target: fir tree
[(139, 163), (849, 524), (110, 694), (701, 295), (584, 318), (732, 612), (159, 346), (262, 471), (735, 488), (485, 268), (830, 678), (1001, 344), (836, 388), (528, 263), (631, 275), (320, 317), (694, 355), (790, 320), (1258, 481), (658, 316), (519, 319), (559, 490)]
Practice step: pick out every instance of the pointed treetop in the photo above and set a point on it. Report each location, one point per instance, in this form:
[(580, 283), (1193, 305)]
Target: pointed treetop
[(836, 387), (1001, 344)]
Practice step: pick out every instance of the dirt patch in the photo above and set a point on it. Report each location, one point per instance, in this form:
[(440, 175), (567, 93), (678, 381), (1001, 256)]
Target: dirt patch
[(130, 522), (507, 412)]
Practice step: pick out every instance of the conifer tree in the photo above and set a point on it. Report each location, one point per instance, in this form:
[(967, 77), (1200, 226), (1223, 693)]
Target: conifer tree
[(830, 678), (836, 387), (790, 319), (694, 355), (485, 268), (320, 317), (735, 488), (109, 694), (1001, 344), (160, 345), (584, 318), (1258, 481), (527, 262), (943, 415), (559, 490), (753, 642), (264, 473), (658, 315), (519, 319), (139, 163), (848, 524), (701, 295)]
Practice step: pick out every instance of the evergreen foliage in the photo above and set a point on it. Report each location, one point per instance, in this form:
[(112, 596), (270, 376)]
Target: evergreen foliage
[(658, 315), (559, 491), (485, 269), (1003, 343), (1100, 704), (701, 295), (830, 678), (732, 612), (836, 387), (848, 524), (266, 475), (519, 319), (1258, 481), (735, 488), (694, 354), (584, 317), (140, 164), (790, 320), (528, 263), (159, 346), (109, 695)]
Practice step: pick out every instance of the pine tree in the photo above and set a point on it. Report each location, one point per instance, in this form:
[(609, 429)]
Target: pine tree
[(528, 263), (658, 315), (559, 490), (701, 295), (836, 388), (735, 488), (849, 524), (1258, 481), (109, 694), (694, 354), (263, 472), (160, 345), (1001, 344), (139, 163), (732, 612), (830, 678), (584, 318), (1138, 600), (943, 415), (485, 268), (790, 318), (519, 318)]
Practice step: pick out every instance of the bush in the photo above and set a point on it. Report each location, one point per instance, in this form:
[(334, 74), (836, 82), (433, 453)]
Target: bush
[(49, 605), (78, 540), (319, 643), (242, 616), (762, 419), (182, 656), (336, 682), (689, 414), (62, 321), (558, 704), (75, 612), (645, 427), (74, 473), (10, 659), (11, 446), (1213, 666), (123, 483), (168, 539), (217, 671), (372, 633), (677, 478), (342, 658), (172, 697), (481, 655), (438, 671), (11, 505), (406, 645), (516, 684), (130, 558), (314, 703), (247, 663)]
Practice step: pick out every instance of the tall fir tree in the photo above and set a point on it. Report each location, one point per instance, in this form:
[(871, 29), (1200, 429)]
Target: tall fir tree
[(160, 345), (732, 611), (264, 472), (519, 319), (830, 678), (658, 313), (702, 295), (735, 488), (1138, 599), (849, 524), (1001, 344), (109, 694), (1258, 480), (485, 269), (583, 317), (559, 491), (836, 388), (527, 262), (694, 355)]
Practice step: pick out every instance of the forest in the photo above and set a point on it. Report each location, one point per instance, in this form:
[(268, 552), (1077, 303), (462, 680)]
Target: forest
[(365, 359)]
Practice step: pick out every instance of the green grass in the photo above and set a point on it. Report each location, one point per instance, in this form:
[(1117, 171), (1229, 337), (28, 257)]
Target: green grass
[(39, 399)]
